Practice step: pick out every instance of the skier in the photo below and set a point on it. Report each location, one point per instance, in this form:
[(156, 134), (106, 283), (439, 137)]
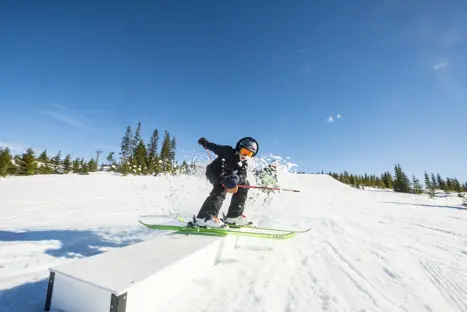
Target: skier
[(226, 173)]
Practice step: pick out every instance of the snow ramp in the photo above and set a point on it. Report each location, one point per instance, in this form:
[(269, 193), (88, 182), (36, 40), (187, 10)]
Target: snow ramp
[(318, 185)]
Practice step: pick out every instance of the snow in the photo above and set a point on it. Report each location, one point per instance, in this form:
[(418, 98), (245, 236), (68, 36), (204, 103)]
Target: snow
[(368, 250), (136, 263)]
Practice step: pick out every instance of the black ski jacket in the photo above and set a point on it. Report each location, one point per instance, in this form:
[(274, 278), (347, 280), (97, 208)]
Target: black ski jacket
[(227, 163)]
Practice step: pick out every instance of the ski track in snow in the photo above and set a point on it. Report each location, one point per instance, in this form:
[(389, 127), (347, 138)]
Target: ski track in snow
[(367, 250)]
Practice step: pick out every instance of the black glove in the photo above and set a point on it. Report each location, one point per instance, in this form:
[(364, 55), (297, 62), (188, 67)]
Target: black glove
[(230, 183), (203, 142)]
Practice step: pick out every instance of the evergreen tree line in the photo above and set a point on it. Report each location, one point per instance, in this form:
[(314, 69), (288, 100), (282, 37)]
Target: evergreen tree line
[(135, 158), (28, 163), (399, 181)]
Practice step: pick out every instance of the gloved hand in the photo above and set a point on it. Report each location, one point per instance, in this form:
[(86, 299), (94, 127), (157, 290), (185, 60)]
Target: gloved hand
[(202, 141), (230, 183)]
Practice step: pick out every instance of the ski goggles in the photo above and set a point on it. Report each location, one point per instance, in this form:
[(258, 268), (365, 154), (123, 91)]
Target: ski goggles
[(246, 152)]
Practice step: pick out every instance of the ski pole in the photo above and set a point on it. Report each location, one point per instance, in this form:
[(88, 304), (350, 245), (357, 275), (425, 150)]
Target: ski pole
[(268, 188)]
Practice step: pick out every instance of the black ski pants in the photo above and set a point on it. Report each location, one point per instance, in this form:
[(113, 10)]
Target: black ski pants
[(213, 203)]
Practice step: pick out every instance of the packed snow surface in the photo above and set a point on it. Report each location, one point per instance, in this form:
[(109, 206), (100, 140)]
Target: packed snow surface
[(370, 250)]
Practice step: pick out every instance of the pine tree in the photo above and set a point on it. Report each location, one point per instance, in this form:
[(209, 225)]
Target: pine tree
[(456, 185), (417, 187), (397, 179), (126, 146), (433, 181), (429, 187), (28, 163), (84, 167), (125, 168), (356, 182), (173, 147), (401, 181), (43, 157), (5, 161), (111, 161), (44, 165), (57, 162), (140, 157), (345, 177), (92, 165), (67, 164), (165, 152), (110, 158), (388, 180), (76, 167), (440, 182), (427, 181), (136, 138), (152, 152), (43, 160), (449, 185), (381, 184), (135, 164)]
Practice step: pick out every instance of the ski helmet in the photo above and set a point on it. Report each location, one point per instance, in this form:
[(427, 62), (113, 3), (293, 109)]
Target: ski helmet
[(249, 143)]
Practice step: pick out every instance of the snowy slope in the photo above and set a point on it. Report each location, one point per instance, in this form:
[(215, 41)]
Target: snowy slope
[(368, 250)]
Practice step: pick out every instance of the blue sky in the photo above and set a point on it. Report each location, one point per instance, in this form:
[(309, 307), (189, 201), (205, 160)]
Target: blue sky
[(73, 76)]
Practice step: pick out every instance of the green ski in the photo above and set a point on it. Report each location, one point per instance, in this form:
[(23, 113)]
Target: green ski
[(220, 232), (255, 227), (267, 229)]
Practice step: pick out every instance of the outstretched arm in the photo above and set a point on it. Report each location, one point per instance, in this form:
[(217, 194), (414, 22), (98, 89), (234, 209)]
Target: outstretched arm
[(219, 150)]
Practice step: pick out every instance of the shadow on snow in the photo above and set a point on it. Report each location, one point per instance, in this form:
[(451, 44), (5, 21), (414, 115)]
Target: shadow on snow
[(30, 296), (74, 243)]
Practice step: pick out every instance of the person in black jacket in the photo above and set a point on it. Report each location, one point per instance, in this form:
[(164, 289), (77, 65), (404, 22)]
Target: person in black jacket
[(226, 173)]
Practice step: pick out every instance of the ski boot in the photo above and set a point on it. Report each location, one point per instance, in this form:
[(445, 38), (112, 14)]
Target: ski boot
[(208, 222), (238, 221)]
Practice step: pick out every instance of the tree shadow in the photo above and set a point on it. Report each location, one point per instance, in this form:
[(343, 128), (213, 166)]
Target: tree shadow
[(426, 205), (28, 297), (74, 243)]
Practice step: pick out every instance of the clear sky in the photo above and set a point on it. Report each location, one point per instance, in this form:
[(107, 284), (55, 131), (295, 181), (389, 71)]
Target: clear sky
[(74, 75)]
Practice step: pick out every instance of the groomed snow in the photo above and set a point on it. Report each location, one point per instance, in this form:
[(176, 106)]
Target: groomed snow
[(368, 250)]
